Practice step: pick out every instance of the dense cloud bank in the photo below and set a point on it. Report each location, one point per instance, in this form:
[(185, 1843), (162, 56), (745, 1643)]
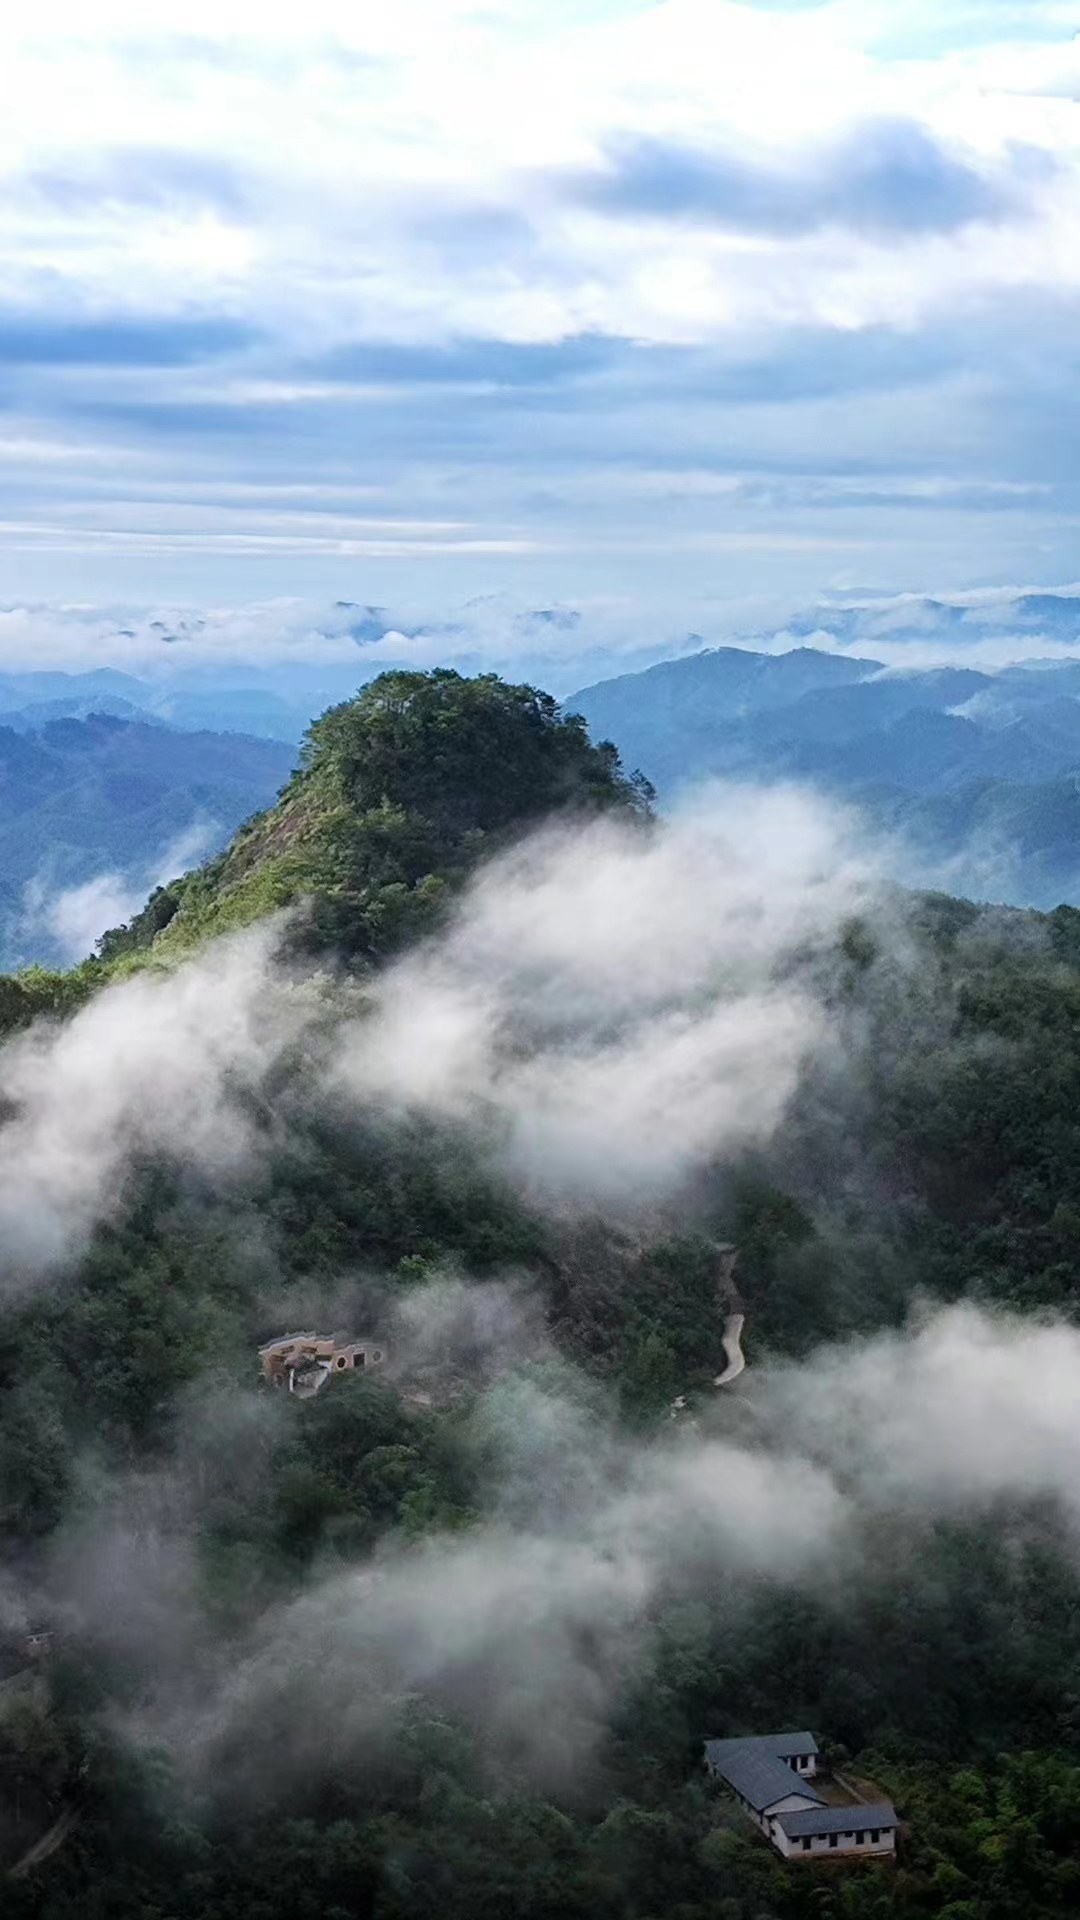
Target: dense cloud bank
[(534, 1623), (159, 1065), (608, 1008), (291, 655), (611, 1003)]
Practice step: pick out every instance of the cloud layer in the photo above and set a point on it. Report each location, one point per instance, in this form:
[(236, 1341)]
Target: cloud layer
[(303, 654), (609, 1005), (160, 1065), (533, 1623), (608, 1010), (451, 293)]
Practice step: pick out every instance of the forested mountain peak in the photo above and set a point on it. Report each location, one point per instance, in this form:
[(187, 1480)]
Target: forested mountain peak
[(399, 792), (968, 774)]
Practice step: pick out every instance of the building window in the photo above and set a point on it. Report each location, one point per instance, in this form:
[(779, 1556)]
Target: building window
[(875, 1836)]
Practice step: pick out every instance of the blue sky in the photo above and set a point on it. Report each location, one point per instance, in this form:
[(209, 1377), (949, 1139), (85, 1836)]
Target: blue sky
[(670, 300)]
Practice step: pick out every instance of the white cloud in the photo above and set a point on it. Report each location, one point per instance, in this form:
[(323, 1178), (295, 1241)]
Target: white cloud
[(606, 1009), (533, 1621), (76, 917), (607, 1003), (485, 106), (403, 175), (308, 647), (958, 1411), (158, 1064)]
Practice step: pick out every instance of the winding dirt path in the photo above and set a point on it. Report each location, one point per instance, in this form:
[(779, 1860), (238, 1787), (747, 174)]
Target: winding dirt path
[(44, 1848), (731, 1336), (731, 1341)]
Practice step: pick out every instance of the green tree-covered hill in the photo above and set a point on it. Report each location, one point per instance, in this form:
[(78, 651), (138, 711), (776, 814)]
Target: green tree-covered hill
[(399, 794), (180, 1530)]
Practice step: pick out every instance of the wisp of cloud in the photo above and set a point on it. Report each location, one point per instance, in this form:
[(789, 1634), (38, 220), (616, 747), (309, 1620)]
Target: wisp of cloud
[(608, 1009), (616, 1007)]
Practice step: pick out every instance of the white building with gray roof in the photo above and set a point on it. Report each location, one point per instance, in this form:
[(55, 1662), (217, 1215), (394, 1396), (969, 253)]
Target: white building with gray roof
[(771, 1776)]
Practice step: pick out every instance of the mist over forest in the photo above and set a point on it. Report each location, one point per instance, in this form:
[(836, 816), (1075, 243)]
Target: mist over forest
[(539, 960), (463, 1051)]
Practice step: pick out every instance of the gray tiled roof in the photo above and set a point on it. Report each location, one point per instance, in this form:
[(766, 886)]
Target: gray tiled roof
[(837, 1819), (787, 1745), (754, 1768)]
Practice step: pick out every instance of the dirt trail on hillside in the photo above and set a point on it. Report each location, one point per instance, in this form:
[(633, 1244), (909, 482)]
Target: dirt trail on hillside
[(48, 1844), (731, 1341), (731, 1304)]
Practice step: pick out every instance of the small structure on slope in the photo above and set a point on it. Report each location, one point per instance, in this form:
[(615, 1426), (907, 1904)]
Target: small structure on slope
[(24, 1667), (28, 1817), (302, 1363), (771, 1776)]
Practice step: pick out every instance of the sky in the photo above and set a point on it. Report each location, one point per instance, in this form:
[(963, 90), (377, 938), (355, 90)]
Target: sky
[(667, 299)]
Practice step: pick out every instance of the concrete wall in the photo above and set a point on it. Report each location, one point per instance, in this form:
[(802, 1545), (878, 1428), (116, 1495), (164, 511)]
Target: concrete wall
[(846, 1843), (318, 1354)]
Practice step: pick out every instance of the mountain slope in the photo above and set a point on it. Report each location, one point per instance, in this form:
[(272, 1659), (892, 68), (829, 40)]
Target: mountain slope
[(894, 743), (688, 717), (399, 793), (85, 797), (991, 840)]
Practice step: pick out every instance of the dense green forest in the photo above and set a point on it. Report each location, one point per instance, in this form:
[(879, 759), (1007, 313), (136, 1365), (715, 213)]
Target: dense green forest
[(233, 1717)]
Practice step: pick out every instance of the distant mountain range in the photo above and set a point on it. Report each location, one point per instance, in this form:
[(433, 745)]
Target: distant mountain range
[(29, 701), (955, 723), (105, 801), (963, 622), (269, 668), (975, 774)]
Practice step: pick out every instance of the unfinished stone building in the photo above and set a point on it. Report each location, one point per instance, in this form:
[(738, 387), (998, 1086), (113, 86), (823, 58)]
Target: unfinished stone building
[(302, 1363)]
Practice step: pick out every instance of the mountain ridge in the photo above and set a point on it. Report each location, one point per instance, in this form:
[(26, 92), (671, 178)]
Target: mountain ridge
[(889, 741), (108, 795)]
